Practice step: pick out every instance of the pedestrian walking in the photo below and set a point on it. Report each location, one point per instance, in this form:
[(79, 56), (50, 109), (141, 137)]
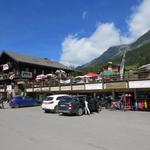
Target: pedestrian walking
[(87, 111), (2, 102)]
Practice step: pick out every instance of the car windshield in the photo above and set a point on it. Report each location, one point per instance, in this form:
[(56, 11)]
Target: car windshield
[(78, 98), (66, 99), (49, 98), (74, 98)]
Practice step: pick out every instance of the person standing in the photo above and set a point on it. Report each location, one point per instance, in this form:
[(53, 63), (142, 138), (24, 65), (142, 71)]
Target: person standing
[(2, 102), (87, 111)]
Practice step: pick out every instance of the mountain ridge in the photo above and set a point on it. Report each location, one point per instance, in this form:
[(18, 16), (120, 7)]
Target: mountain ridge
[(116, 51)]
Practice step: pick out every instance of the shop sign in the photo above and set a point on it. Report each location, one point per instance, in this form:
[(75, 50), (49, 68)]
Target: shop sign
[(5, 67), (65, 88), (45, 89), (139, 84), (78, 87), (26, 74), (29, 90), (55, 88), (97, 86), (115, 85), (8, 87), (37, 89)]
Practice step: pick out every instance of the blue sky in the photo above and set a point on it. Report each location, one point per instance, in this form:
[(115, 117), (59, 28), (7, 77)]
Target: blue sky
[(68, 31)]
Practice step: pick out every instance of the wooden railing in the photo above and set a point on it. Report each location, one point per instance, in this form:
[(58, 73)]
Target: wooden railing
[(127, 77), (103, 86)]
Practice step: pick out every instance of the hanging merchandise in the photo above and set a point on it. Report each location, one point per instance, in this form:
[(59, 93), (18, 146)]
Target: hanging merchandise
[(136, 105), (145, 105), (141, 106), (143, 101)]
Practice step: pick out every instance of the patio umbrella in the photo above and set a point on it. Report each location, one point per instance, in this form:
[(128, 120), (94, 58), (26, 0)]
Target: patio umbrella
[(60, 71), (92, 75), (50, 75), (79, 77), (61, 74), (40, 77)]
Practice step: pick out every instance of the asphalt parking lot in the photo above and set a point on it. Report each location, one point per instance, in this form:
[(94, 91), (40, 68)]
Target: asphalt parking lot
[(31, 128)]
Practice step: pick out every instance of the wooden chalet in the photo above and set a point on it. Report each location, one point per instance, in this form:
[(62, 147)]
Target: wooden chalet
[(14, 66), (111, 67)]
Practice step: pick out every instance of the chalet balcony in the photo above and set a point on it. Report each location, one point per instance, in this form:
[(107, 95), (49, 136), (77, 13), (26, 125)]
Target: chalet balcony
[(129, 81)]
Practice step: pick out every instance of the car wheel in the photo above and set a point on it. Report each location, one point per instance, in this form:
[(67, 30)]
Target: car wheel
[(98, 109), (80, 112), (17, 106), (56, 109), (46, 111)]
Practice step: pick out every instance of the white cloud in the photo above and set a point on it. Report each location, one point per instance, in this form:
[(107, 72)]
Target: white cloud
[(77, 51), (139, 21)]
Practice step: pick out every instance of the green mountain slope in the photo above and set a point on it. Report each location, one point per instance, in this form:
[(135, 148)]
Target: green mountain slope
[(135, 58), (139, 56), (116, 51)]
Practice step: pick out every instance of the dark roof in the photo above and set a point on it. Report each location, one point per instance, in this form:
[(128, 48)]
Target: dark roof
[(36, 61)]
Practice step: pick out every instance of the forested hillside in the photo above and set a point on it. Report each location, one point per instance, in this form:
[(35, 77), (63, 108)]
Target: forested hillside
[(134, 59)]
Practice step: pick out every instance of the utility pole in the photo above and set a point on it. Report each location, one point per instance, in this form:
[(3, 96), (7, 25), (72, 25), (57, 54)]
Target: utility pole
[(122, 66)]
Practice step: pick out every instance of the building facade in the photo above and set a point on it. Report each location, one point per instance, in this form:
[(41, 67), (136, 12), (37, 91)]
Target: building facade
[(111, 67), (15, 67)]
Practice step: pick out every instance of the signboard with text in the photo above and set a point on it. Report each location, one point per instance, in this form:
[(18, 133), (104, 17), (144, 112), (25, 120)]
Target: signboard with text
[(5, 67), (45, 89), (26, 74), (8, 87), (29, 90), (37, 89), (94, 86), (78, 87), (65, 88), (139, 84), (115, 85)]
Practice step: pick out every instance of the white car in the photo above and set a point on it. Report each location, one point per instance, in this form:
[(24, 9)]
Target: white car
[(51, 102)]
